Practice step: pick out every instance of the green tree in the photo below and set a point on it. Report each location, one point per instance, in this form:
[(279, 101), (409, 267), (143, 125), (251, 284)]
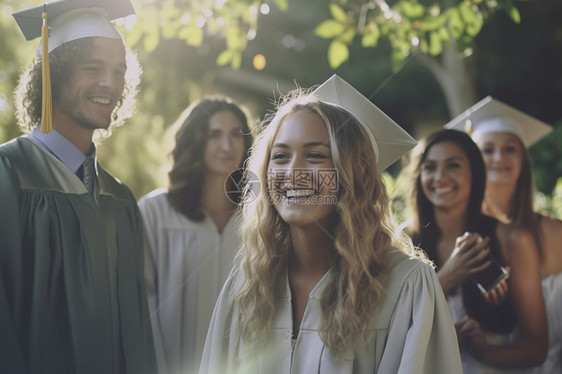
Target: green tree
[(192, 47), (234, 20), (440, 33)]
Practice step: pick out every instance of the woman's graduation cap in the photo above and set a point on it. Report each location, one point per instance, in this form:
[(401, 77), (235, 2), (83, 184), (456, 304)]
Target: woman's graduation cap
[(389, 140), (62, 21), (491, 115)]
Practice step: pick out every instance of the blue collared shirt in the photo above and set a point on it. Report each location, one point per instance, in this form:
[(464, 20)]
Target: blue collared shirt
[(63, 149)]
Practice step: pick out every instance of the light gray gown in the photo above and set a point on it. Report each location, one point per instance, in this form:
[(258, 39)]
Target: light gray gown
[(412, 332), (186, 265)]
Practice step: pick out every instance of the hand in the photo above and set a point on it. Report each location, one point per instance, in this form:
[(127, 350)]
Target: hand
[(471, 337), (498, 293), (468, 257)]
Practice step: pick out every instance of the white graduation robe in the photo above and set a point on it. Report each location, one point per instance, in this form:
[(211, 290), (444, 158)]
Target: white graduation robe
[(186, 264), (413, 331)]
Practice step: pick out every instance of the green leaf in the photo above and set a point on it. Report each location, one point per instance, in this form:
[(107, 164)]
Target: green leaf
[(134, 35), (338, 53), (455, 23), (338, 13), (348, 35), (225, 57), (435, 44), (192, 35), (151, 40), (282, 4), (467, 13), (369, 40), (474, 28), (170, 29), (371, 35), (404, 46), (444, 34), (235, 39), (329, 29), (514, 14), (432, 23), (411, 9), (236, 60)]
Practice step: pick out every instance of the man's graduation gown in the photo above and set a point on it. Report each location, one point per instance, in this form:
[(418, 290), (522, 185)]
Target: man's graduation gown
[(72, 297)]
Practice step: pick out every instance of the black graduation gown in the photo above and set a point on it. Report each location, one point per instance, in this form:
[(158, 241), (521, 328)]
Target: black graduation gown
[(72, 296)]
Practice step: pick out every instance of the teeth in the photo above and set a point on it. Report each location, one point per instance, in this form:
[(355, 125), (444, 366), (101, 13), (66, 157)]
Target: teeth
[(443, 190), (101, 100), (299, 193)]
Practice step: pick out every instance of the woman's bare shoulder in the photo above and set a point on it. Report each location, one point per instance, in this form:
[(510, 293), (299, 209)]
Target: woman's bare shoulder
[(515, 239), (550, 225), (508, 232)]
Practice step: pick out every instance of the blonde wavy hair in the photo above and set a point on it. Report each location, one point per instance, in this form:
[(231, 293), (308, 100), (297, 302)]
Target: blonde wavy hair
[(364, 231)]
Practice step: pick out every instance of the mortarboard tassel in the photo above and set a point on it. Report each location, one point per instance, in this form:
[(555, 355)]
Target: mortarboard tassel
[(46, 112)]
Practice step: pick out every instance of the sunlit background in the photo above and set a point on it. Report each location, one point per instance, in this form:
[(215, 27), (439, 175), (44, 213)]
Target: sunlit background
[(394, 52)]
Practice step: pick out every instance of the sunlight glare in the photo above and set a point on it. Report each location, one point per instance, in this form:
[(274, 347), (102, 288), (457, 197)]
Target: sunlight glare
[(264, 9), (259, 62), (200, 21), (220, 3)]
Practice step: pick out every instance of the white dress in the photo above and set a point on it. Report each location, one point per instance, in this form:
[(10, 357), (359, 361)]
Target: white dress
[(470, 365), (186, 264), (552, 293), (412, 332)]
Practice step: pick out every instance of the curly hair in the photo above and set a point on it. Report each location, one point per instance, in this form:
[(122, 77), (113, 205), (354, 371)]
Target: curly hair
[(185, 188), (28, 96), (364, 231), (425, 232)]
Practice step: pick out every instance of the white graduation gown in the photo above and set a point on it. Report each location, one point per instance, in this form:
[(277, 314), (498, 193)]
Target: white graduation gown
[(413, 331), (186, 264)]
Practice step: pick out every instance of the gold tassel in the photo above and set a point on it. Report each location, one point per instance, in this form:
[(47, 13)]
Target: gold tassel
[(46, 112)]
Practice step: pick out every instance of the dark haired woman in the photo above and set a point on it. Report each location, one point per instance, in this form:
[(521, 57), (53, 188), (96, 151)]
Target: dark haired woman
[(448, 179), (192, 230)]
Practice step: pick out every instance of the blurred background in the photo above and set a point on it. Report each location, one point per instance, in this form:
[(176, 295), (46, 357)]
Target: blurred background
[(422, 62)]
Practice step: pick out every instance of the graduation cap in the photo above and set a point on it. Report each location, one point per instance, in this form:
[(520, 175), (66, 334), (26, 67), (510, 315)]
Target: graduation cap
[(59, 22), (491, 115), (389, 140)]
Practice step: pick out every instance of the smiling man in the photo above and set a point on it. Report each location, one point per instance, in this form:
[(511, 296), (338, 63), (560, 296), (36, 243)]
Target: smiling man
[(72, 296)]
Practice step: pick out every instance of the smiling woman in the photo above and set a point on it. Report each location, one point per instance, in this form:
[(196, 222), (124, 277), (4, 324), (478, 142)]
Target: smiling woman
[(301, 149), (316, 285), (503, 134), (445, 176), (496, 326), (192, 228)]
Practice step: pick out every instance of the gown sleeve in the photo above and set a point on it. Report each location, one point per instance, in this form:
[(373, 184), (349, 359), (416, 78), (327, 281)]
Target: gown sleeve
[(221, 345), (421, 336), (11, 356)]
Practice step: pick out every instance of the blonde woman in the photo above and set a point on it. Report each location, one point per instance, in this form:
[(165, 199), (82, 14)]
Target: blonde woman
[(322, 284)]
